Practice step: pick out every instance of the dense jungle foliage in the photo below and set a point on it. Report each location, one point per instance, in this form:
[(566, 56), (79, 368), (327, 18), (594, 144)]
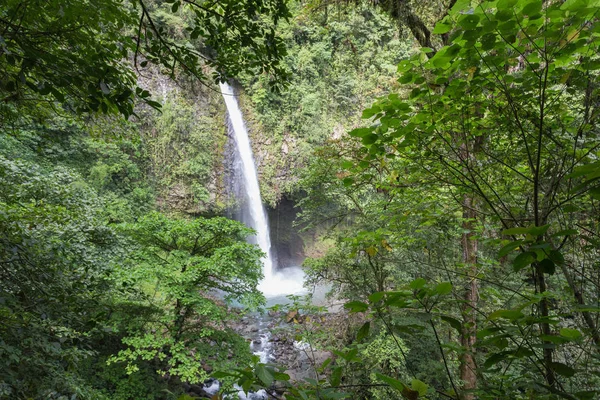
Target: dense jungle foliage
[(443, 156)]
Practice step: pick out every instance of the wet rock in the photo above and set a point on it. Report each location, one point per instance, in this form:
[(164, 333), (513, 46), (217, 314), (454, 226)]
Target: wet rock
[(197, 389)]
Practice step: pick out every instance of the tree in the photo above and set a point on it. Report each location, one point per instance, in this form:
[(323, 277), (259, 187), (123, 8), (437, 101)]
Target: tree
[(56, 258), (185, 265), (518, 79), (82, 55)]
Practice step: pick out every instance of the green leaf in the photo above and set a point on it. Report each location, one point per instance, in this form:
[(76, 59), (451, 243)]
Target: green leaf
[(538, 230), (247, 384), (336, 377), (547, 266), (419, 386), (532, 7), (363, 332), (369, 112), (523, 260), (511, 315), (417, 283), (441, 28), (460, 6), (375, 297), (509, 247), (443, 288), (264, 375), (505, 4), (280, 376), (556, 257), (456, 324), (325, 364), (356, 306), (586, 394), (360, 132), (469, 21), (495, 359), (394, 383), (566, 232), (369, 139), (516, 231), (571, 334), (562, 369)]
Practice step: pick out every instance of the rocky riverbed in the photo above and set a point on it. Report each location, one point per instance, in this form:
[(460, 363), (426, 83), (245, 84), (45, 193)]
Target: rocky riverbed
[(273, 336)]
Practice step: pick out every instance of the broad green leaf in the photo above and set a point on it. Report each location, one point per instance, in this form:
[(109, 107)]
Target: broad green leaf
[(469, 21), (566, 232), (360, 132), (441, 28), (419, 386), (547, 266), (363, 332), (538, 230), (369, 112), (370, 139), (443, 288), (511, 315), (506, 4), (509, 247), (280, 376), (495, 359), (571, 334), (417, 283), (523, 260), (532, 8), (556, 257), (394, 383), (456, 324), (264, 375), (356, 306), (336, 376), (375, 297), (562, 369), (348, 181), (516, 231)]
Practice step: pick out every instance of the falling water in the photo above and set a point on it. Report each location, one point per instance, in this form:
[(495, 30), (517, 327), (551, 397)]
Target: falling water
[(258, 216), (274, 283)]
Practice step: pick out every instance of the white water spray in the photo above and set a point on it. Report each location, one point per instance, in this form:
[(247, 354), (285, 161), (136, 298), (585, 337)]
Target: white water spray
[(273, 283)]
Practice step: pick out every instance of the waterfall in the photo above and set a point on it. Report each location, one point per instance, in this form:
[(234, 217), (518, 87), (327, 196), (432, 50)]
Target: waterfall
[(253, 213), (258, 216)]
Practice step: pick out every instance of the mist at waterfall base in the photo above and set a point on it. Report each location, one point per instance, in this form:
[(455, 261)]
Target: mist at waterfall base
[(277, 283)]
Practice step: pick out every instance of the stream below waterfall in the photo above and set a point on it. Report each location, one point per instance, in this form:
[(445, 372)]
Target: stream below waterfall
[(276, 283)]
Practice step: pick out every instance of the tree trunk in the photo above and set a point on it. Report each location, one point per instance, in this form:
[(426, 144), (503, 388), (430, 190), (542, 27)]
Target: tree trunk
[(587, 317), (470, 298)]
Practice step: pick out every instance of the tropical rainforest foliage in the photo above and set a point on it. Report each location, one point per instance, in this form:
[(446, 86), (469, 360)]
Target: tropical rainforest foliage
[(443, 155)]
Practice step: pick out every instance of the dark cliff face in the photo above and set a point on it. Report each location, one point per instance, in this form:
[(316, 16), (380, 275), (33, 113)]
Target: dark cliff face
[(286, 241)]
